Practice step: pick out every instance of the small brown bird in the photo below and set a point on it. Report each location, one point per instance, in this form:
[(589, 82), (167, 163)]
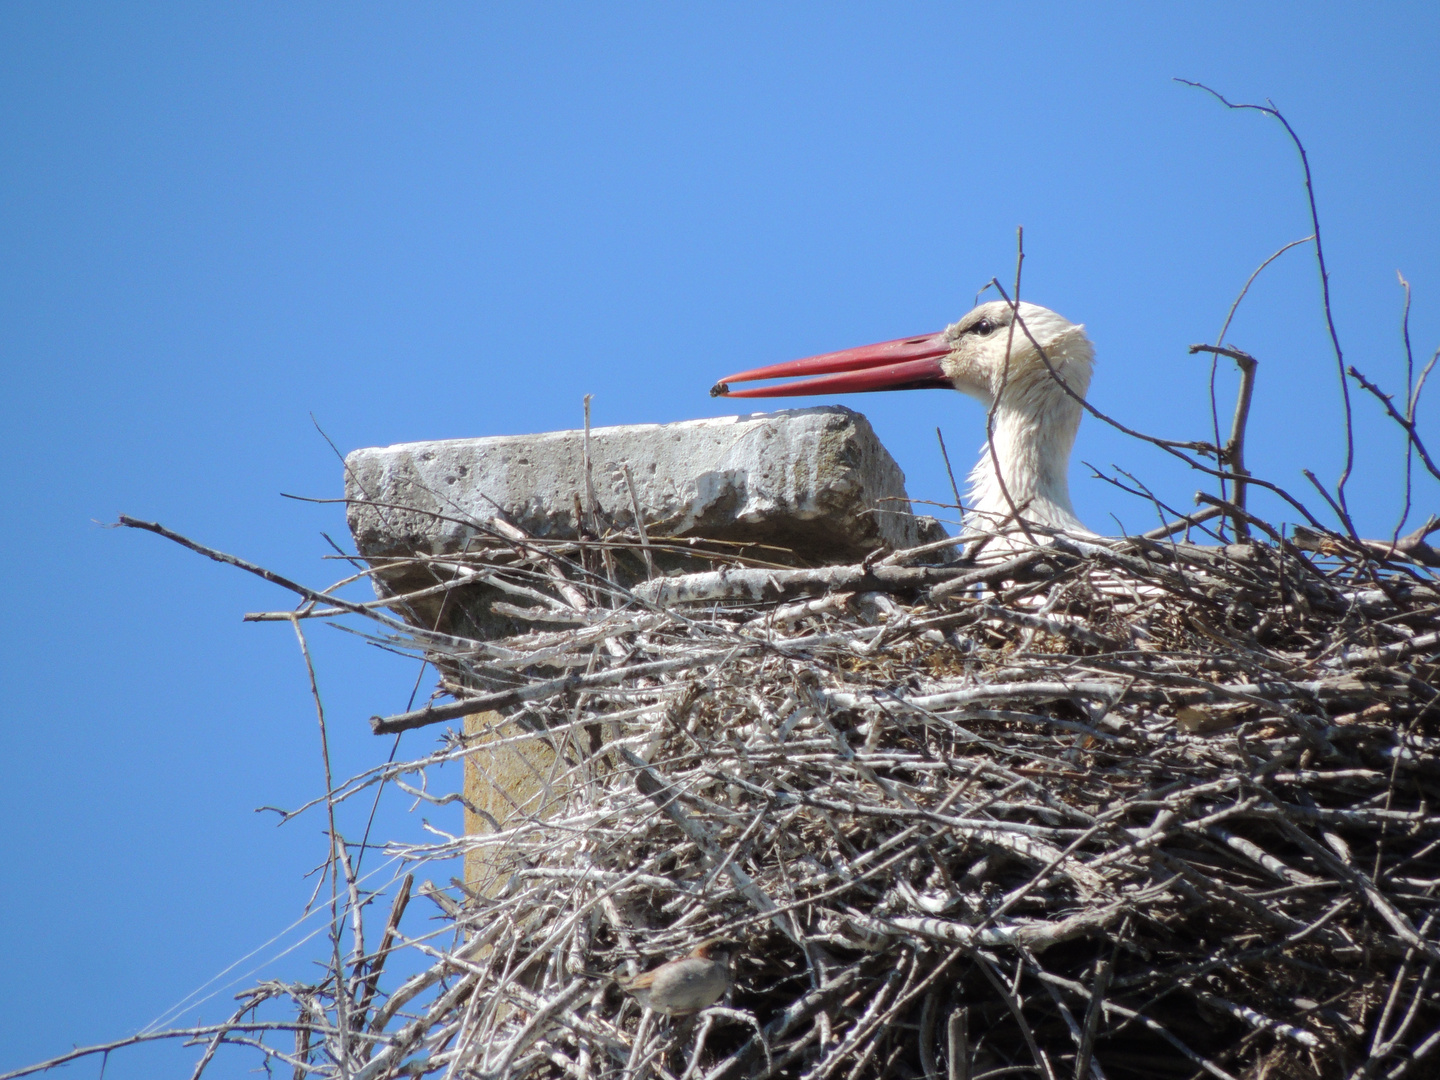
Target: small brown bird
[(683, 986)]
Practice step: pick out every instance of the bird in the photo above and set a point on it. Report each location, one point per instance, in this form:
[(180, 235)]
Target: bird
[(1035, 417), (685, 985)]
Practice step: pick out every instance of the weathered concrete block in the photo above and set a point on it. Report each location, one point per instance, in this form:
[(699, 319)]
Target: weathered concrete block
[(814, 481)]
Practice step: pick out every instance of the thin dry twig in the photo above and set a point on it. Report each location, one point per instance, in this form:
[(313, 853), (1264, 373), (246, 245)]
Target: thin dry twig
[(1224, 329), (1269, 109)]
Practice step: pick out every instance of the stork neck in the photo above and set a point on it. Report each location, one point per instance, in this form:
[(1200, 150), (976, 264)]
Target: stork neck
[(1032, 440)]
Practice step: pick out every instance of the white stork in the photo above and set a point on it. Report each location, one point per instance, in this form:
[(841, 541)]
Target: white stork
[(1035, 419)]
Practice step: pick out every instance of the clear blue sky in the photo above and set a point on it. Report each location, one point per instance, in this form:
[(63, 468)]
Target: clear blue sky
[(439, 220)]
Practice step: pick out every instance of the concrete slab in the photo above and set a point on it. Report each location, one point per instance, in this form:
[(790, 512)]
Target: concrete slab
[(815, 482)]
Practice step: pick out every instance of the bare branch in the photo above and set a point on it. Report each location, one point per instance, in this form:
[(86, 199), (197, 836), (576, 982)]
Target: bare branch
[(1407, 423), (1269, 109)]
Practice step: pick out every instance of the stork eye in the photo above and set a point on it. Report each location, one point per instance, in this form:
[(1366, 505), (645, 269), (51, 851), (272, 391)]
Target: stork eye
[(984, 326)]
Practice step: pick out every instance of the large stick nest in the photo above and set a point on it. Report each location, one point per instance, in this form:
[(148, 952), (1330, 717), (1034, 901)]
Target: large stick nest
[(1135, 808)]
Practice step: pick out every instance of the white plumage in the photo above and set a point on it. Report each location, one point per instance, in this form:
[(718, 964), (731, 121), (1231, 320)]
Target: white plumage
[(1034, 419)]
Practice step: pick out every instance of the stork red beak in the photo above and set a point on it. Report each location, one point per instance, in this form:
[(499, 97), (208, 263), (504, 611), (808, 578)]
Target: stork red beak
[(911, 363)]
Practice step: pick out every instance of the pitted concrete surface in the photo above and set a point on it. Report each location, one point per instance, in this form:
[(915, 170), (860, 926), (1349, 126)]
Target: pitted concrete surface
[(815, 480)]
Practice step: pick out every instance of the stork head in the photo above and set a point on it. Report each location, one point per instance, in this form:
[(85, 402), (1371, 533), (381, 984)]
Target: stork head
[(988, 353), (981, 342)]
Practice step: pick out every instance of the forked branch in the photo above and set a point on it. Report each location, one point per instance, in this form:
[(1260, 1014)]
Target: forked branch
[(1232, 455)]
